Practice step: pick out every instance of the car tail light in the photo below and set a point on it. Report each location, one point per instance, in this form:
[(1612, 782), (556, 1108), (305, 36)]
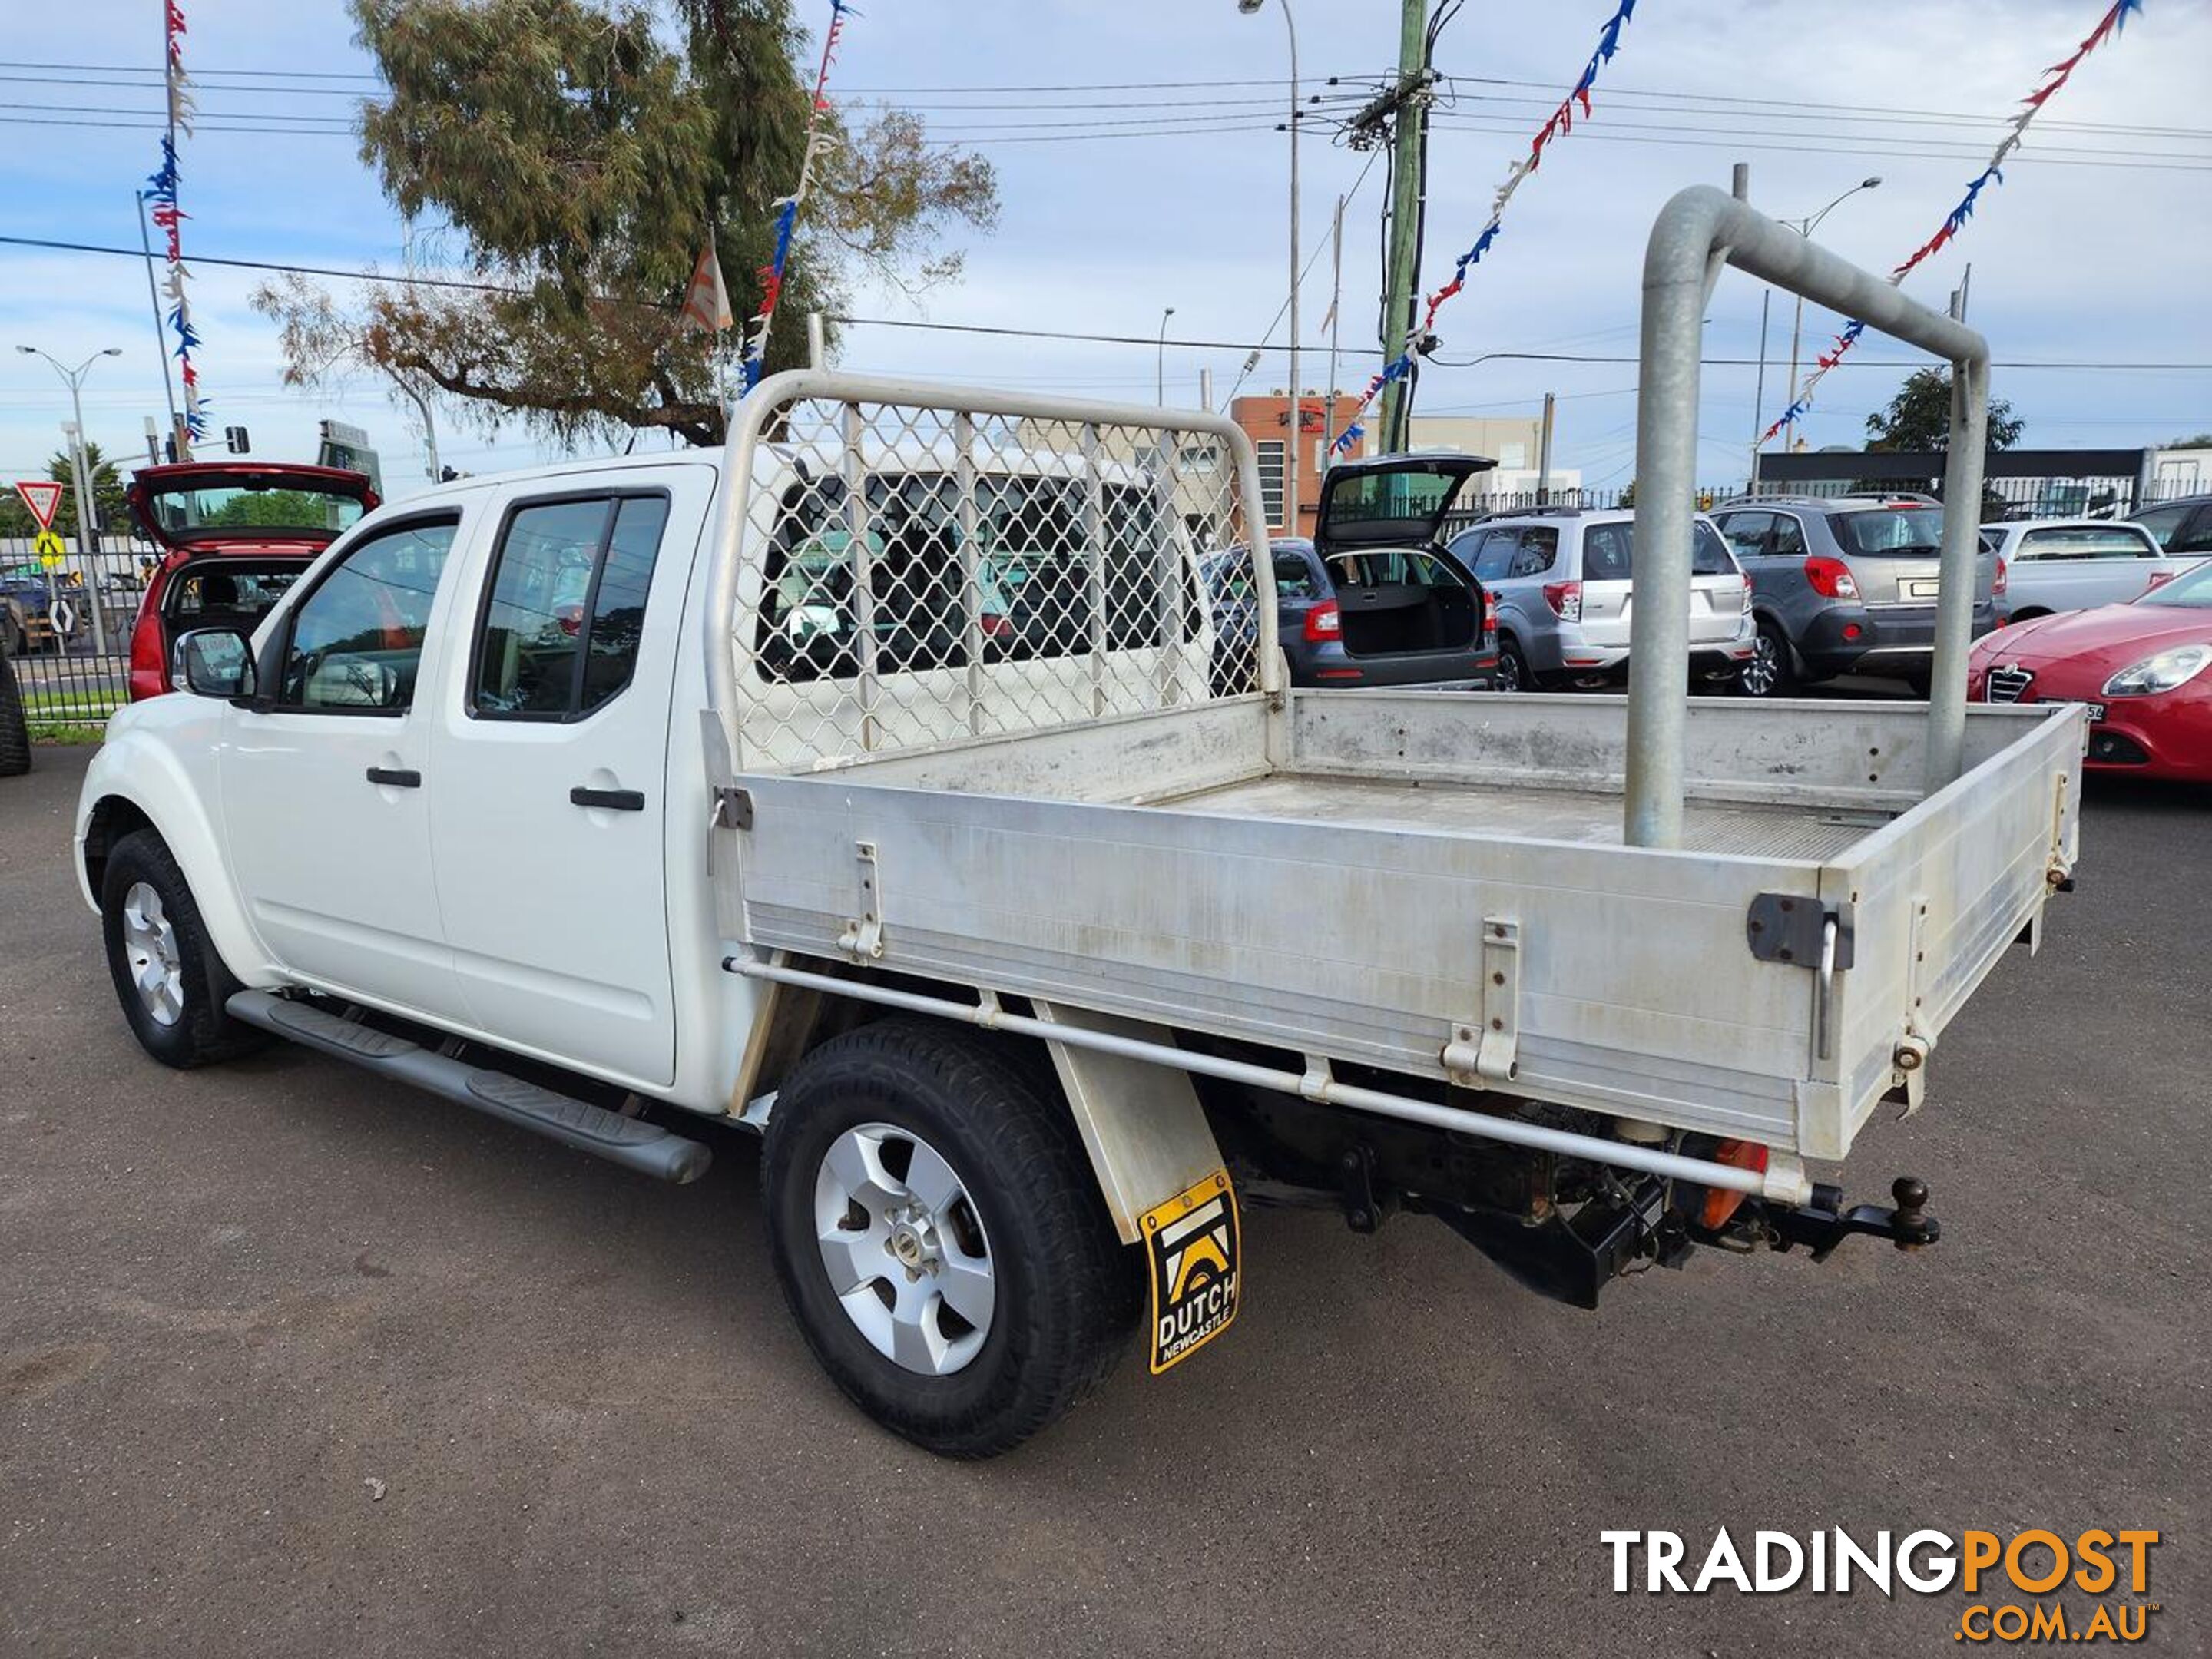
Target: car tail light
[(1323, 622), (1997, 588), (1831, 578), (1742, 592), (1721, 1202), (1565, 599), (1489, 611), (995, 627), (149, 667)]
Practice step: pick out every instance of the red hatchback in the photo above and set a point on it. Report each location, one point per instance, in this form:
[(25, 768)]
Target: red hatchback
[(234, 535), (2144, 668)]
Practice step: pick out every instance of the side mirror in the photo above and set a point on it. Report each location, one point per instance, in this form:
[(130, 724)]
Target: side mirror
[(213, 662)]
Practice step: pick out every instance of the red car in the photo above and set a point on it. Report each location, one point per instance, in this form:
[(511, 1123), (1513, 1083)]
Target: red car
[(234, 535), (2144, 668)]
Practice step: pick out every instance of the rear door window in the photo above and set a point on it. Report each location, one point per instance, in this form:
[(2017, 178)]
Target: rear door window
[(1538, 549), (564, 606)]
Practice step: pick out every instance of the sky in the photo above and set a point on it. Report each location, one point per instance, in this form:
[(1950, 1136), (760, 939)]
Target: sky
[(2093, 251)]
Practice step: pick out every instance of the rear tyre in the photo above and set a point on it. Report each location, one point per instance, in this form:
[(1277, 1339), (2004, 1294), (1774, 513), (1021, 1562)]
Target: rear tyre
[(1513, 673), (940, 1238), (15, 729), (170, 983), (1770, 673)]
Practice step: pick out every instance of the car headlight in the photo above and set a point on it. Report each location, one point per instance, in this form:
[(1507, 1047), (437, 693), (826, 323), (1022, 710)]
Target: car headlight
[(2161, 672)]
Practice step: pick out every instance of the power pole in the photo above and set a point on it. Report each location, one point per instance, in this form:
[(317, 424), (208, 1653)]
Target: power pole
[(1409, 102)]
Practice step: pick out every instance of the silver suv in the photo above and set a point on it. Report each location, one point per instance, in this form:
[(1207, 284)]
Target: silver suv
[(1843, 584), (1559, 578)]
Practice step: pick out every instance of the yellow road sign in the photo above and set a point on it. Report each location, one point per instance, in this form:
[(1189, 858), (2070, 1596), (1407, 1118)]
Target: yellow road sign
[(50, 549)]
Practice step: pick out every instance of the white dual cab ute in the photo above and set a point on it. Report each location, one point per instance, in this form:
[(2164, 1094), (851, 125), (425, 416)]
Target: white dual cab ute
[(870, 784)]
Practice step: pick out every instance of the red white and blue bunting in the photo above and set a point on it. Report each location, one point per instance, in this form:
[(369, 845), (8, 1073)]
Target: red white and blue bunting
[(2109, 25), (1562, 123), (161, 192), (786, 209)]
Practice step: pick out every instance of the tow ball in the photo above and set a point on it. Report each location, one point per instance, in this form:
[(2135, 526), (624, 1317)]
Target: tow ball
[(1824, 1223)]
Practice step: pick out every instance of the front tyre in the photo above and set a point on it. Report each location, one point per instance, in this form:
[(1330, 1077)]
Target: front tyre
[(940, 1238), (170, 983)]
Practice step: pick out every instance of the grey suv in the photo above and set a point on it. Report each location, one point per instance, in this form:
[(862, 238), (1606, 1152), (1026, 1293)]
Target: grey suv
[(1560, 579), (1843, 584)]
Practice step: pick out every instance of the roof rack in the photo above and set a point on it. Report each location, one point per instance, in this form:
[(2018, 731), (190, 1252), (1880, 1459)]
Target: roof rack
[(1549, 510)]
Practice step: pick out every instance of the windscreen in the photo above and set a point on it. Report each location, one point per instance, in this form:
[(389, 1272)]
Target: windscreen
[(1891, 532), (2192, 591)]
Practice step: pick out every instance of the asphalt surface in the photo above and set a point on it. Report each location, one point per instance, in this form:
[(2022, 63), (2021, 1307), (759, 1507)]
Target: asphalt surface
[(237, 1304)]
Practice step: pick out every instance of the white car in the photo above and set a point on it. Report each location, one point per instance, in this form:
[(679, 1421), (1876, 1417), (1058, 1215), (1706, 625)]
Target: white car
[(2076, 564)]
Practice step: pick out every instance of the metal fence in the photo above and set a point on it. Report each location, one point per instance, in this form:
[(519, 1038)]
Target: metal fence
[(71, 656)]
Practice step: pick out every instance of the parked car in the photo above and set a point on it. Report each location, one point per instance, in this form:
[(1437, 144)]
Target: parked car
[(1373, 600), (2184, 526), (233, 535), (2142, 668), (2075, 564), (1559, 578), (1843, 584)]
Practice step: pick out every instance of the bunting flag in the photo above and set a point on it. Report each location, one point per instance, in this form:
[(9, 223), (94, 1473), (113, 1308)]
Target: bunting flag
[(1561, 123), (786, 209), (169, 218), (2109, 25)]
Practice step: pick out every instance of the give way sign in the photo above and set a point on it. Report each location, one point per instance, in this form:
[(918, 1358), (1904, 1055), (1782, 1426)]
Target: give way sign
[(42, 496)]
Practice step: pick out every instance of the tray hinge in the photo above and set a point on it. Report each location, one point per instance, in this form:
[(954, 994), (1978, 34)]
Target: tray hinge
[(733, 808), (1489, 1052), (863, 935)]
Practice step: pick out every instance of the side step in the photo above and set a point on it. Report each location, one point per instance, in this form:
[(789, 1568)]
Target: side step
[(646, 1147)]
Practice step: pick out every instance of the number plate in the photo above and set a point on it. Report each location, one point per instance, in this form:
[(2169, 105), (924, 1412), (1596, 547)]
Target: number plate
[(2096, 713), (1191, 1245), (1919, 588)]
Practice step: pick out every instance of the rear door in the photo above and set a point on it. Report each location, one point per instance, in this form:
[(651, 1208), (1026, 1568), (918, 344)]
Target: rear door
[(1894, 552), (550, 763), (1716, 586)]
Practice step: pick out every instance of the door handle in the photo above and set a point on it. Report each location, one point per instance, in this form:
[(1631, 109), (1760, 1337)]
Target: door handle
[(394, 777), (614, 800)]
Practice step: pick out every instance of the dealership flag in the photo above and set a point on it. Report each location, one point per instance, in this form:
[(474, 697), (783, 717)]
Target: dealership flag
[(707, 302)]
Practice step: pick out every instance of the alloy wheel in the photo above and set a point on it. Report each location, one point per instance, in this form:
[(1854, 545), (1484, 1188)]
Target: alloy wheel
[(149, 943), (904, 1249)]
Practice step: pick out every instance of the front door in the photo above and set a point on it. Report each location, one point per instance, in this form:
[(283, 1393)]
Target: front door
[(326, 785), (549, 821)]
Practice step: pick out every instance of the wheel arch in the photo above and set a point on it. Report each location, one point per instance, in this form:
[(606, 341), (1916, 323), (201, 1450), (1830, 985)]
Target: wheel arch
[(134, 785), (1143, 1131)]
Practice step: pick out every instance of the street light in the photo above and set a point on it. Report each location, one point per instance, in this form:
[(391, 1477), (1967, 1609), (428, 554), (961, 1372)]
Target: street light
[(1160, 361), (81, 473), (1291, 463), (1805, 227)]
